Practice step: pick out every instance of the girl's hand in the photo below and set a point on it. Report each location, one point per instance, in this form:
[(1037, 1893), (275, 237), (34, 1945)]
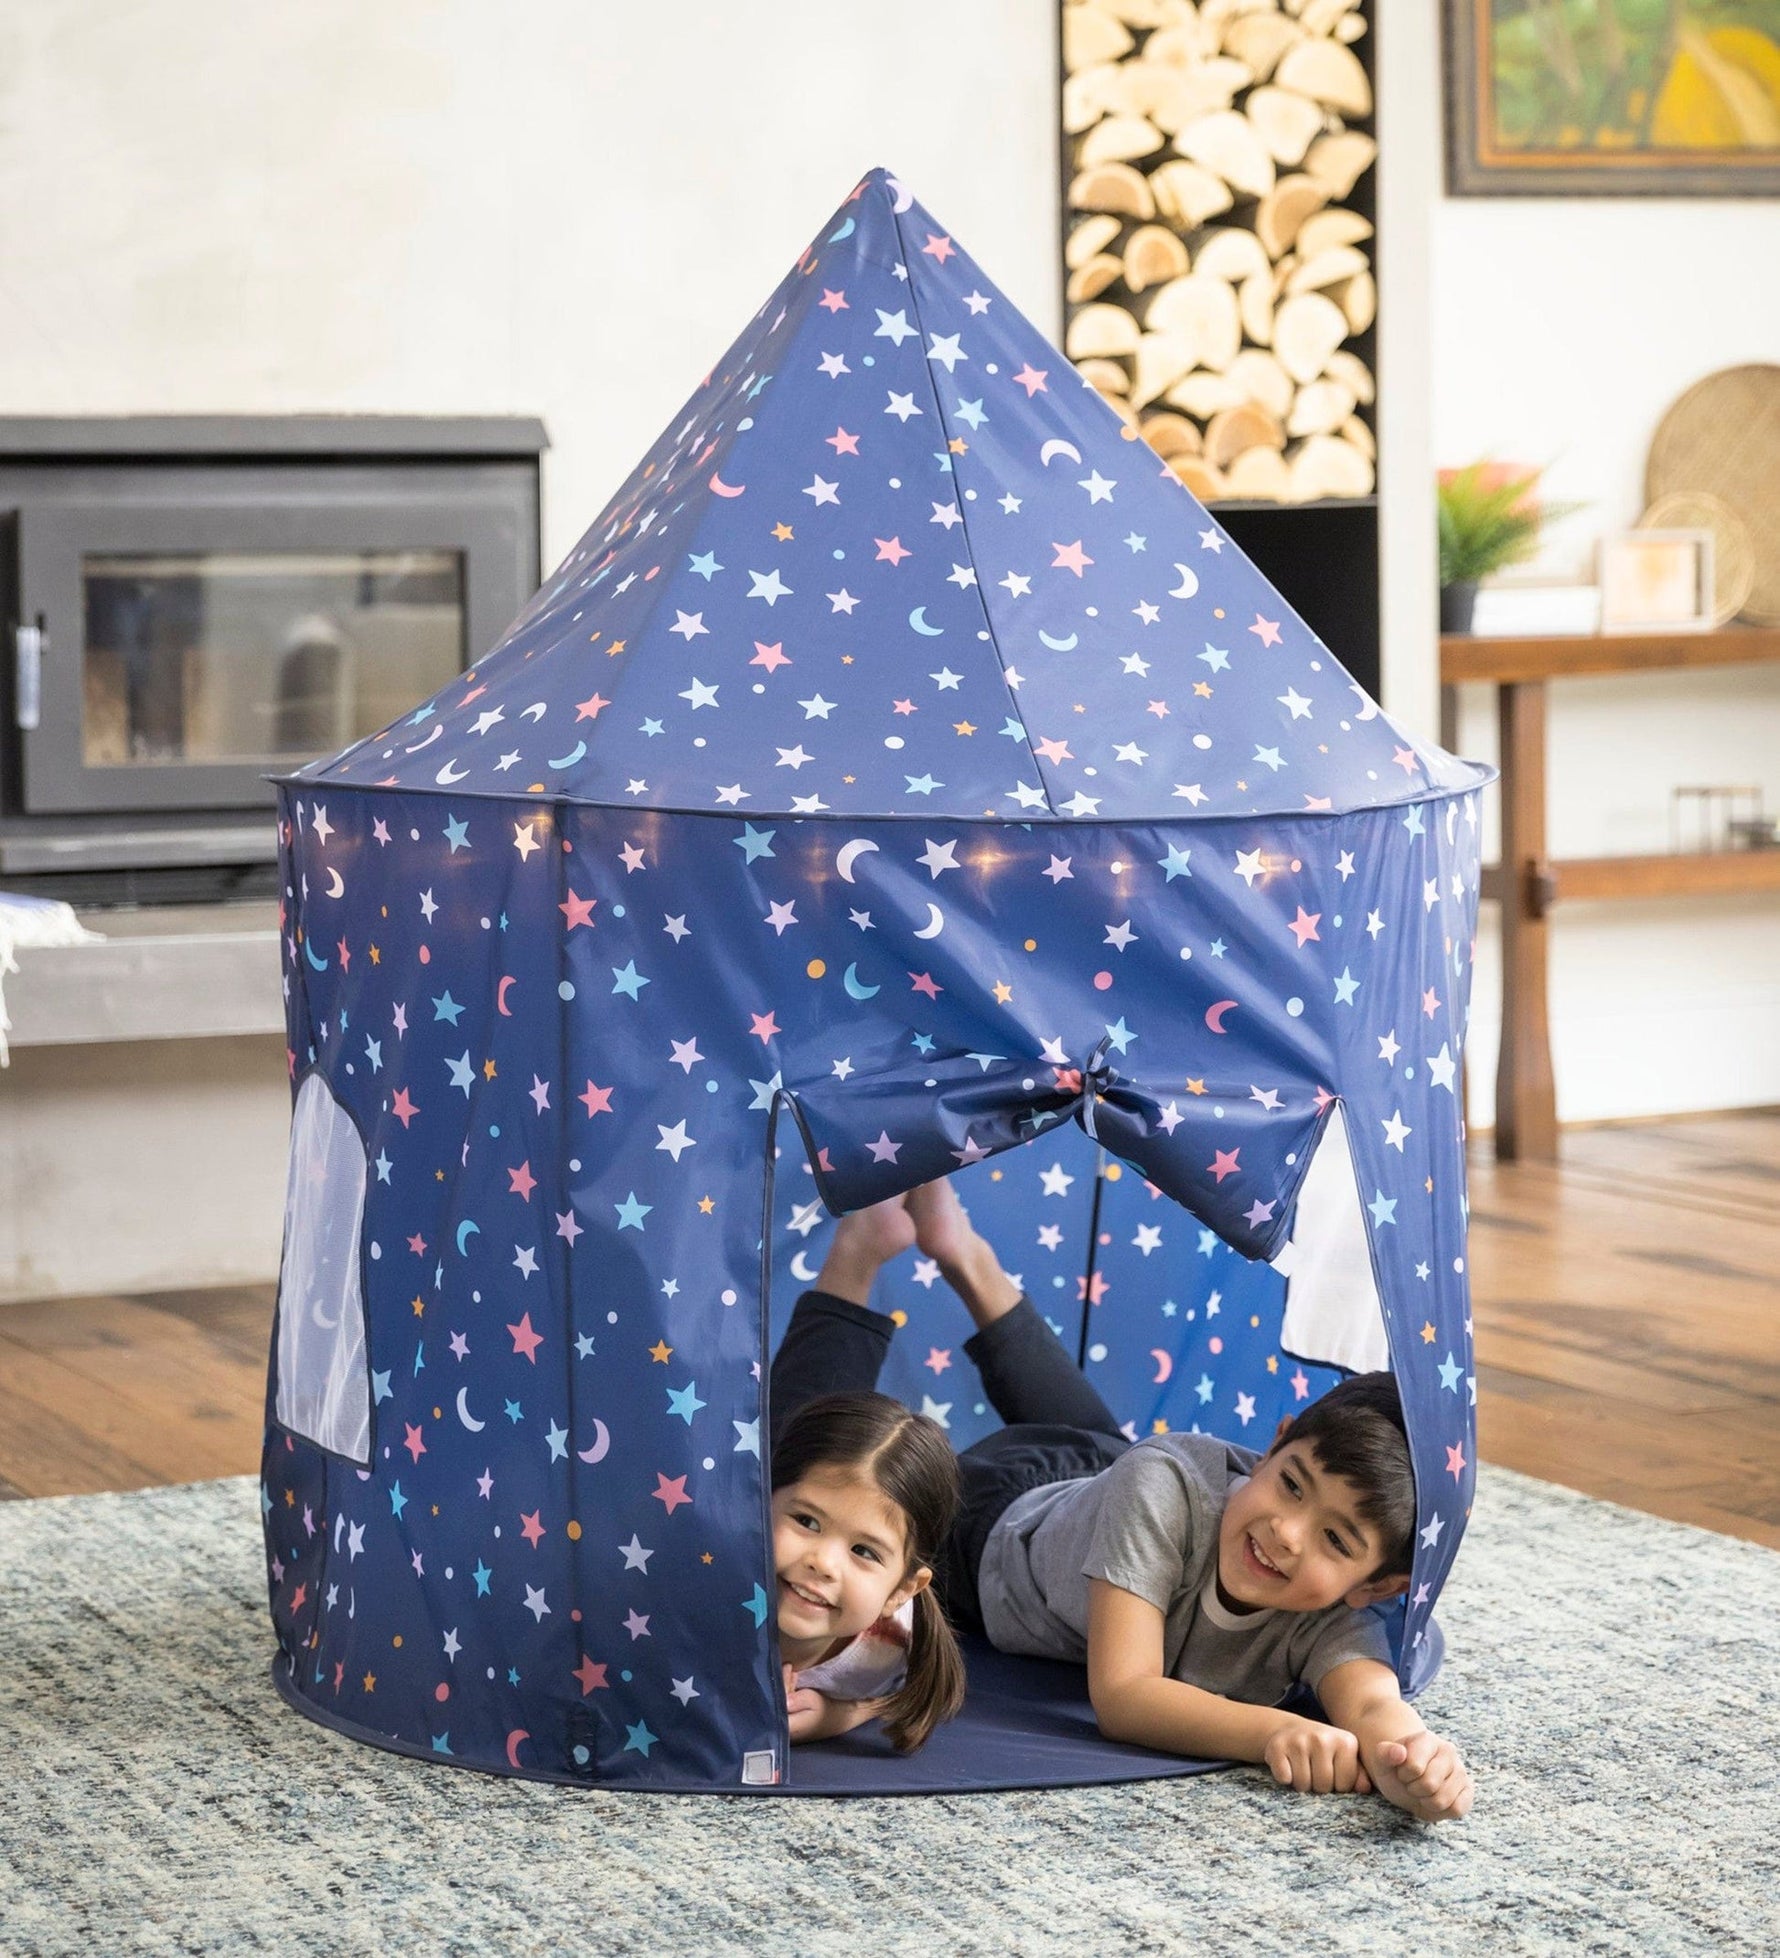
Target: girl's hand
[(1317, 1759), (806, 1709), (1426, 1776)]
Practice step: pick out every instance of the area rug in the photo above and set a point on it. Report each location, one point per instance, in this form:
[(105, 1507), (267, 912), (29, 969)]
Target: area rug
[(1613, 1679)]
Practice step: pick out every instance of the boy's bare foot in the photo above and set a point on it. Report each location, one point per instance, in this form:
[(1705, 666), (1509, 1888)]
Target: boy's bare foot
[(943, 1230), (863, 1241)]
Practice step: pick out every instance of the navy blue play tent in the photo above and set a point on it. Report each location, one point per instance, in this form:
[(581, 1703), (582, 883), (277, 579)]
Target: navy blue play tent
[(903, 776)]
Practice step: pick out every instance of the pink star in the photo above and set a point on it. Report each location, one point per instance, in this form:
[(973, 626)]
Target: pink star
[(890, 550), (1265, 630), (1098, 1288), (460, 1346), (530, 1527), (345, 955), (525, 1340), (1053, 751), (637, 1623), (567, 1227), (597, 1101), (939, 248), (924, 982), (1070, 557), (1406, 760), (1032, 380), (521, 1182), (842, 443), (902, 706), (418, 1246), (883, 1150), (1304, 926), (670, 1492), (1455, 1461), (402, 1108), (1226, 1164), (298, 1596), (1257, 1214), (1158, 707), (763, 1026), (1300, 1386), (834, 302), (578, 911), (938, 1358), (589, 709), (484, 1484), (1321, 1099), (1430, 1003), (590, 1675), (414, 1445), (771, 657)]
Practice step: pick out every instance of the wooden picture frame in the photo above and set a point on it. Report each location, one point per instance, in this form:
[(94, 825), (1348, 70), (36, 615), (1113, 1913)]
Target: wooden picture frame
[(1547, 99), (1657, 581)]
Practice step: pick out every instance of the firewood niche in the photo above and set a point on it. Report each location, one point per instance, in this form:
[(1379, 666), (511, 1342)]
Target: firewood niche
[(1220, 294)]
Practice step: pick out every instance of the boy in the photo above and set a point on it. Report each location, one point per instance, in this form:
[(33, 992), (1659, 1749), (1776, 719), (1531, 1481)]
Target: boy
[(1199, 1582)]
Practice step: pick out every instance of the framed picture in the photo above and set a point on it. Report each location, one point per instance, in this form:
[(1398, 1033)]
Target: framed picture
[(1652, 98), (1657, 581)]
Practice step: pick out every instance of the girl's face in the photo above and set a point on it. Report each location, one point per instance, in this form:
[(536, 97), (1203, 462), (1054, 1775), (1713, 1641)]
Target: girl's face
[(840, 1549)]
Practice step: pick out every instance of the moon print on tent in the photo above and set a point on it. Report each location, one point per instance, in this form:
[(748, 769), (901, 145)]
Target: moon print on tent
[(323, 1387)]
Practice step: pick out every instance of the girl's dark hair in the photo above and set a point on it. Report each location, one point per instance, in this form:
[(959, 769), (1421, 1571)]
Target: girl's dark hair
[(910, 1461), (1357, 1433)]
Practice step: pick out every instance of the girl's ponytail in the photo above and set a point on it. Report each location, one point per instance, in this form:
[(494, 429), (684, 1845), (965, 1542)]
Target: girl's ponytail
[(934, 1689)]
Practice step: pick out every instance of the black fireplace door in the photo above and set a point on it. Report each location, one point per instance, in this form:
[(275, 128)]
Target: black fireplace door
[(173, 652)]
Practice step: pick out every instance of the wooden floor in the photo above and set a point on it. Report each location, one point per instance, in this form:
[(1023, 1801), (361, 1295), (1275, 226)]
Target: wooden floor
[(1627, 1310)]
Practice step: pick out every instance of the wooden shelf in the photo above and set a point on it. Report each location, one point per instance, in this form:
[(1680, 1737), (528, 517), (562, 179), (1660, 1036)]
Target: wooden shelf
[(1582, 655), (1705, 873)]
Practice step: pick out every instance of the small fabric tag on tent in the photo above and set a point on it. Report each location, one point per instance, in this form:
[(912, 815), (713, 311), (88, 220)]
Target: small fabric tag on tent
[(760, 1769)]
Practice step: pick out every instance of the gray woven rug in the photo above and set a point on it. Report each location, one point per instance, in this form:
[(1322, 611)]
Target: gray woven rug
[(1612, 1678)]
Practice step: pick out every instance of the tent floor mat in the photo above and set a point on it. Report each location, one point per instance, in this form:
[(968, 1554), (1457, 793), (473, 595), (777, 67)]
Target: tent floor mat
[(1026, 1723)]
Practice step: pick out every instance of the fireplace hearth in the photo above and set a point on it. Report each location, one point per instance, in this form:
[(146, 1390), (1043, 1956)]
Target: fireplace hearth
[(193, 602)]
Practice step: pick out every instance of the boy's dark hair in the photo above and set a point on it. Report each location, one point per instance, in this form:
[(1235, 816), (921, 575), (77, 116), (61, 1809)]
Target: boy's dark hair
[(1356, 1431), (911, 1463)]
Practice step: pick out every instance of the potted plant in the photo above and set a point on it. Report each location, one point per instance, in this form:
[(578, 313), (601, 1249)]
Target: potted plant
[(1490, 517)]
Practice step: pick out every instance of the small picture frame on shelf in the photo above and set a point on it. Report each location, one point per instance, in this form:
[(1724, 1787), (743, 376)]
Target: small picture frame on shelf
[(1657, 581)]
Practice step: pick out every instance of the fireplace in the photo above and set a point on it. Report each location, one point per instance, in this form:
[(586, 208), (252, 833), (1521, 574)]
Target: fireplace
[(194, 602)]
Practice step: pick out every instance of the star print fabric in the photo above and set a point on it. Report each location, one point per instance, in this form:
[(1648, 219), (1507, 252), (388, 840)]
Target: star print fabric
[(560, 1010)]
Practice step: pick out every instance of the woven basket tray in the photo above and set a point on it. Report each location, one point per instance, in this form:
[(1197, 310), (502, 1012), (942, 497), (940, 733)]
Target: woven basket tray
[(1723, 437)]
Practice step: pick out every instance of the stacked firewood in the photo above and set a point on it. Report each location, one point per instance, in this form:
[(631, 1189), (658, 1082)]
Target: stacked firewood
[(1216, 270)]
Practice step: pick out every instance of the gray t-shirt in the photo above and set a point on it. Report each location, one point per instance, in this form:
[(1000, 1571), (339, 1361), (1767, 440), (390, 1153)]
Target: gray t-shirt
[(1149, 1524)]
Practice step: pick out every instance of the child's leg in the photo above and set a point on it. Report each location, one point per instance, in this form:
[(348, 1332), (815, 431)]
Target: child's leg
[(835, 1343), (1026, 1372)]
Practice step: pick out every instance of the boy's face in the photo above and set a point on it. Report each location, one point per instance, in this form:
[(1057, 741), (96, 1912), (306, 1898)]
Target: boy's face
[(1293, 1539)]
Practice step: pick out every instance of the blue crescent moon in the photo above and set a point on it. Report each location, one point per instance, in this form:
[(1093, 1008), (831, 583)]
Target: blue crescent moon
[(856, 987), (1060, 645), (468, 1225), (570, 759), (320, 965), (844, 231), (918, 619)]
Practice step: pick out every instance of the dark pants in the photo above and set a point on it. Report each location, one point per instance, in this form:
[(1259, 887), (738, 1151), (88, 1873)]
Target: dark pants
[(1058, 1428)]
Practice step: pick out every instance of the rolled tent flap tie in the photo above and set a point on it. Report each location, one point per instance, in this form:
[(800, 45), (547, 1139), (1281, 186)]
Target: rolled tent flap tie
[(903, 744)]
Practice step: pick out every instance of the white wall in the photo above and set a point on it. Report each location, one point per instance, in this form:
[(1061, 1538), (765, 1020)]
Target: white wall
[(1561, 332), (563, 208)]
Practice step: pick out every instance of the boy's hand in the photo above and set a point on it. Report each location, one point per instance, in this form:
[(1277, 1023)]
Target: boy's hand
[(1424, 1775), (1317, 1759)]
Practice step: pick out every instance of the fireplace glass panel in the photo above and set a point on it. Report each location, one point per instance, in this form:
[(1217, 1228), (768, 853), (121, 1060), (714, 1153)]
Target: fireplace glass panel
[(261, 656)]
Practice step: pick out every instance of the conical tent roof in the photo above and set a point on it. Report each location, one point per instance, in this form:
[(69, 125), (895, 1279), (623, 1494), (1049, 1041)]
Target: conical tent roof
[(876, 759), (894, 557)]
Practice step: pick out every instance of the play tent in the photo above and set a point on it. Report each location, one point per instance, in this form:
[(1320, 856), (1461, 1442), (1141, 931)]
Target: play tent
[(904, 775)]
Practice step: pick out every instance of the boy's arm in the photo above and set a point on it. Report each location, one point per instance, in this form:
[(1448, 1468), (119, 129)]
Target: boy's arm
[(1134, 1700), (1408, 1765)]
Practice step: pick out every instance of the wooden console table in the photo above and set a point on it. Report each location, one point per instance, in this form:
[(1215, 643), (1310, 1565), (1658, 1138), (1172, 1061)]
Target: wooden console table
[(1528, 882)]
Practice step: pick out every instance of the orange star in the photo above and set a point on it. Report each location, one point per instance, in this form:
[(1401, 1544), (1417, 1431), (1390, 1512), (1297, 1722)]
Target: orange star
[(1428, 1334), (376, 956), (661, 1352), (958, 727), (1202, 688), (1195, 1087), (1003, 992), (707, 1205), (488, 1070), (370, 1682), (958, 445), (782, 531), (617, 646), (419, 1308), (704, 1557)]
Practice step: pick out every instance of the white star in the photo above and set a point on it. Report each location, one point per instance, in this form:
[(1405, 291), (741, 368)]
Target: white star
[(781, 915), (524, 1261), (843, 1067), (683, 1689), (490, 717), (1388, 1048), (1027, 796), (823, 492), (816, 708), (1050, 1236), (768, 585), (842, 601), (677, 928), (1209, 540), (1056, 1180), (634, 1555), (1344, 865), (1120, 935), (902, 406), (1396, 1129), (1131, 752), (689, 624), (427, 906), (893, 327), (938, 857), (936, 1411), (1170, 1119), (1015, 585), (534, 1603), (794, 757), (946, 350), (1135, 663), (1249, 866), (1148, 1238), (1147, 612), (946, 680), (700, 695), (1441, 1067), (1098, 488), (1296, 702), (962, 575), (945, 515), (1011, 504), (1081, 804), (833, 366), (732, 794), (675, 1140)]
